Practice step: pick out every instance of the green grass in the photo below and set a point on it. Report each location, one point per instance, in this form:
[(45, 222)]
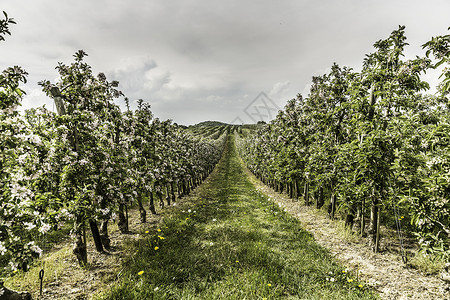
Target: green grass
[(232, 243)]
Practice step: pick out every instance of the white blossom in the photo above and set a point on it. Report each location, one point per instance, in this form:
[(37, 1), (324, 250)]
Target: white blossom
[(29, 225), (44, 228), (2, 248), (35, 248)]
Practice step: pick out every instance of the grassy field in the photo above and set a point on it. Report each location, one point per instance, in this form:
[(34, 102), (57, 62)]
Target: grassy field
[(231, 242)]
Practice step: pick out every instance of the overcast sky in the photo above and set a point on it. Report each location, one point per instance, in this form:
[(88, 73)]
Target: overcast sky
[(198, 60)]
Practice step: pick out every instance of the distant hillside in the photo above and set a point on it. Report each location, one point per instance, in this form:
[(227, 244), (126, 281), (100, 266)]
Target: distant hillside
[(210, 124)]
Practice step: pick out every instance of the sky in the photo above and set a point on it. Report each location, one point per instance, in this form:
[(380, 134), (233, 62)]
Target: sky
[(230, 61)]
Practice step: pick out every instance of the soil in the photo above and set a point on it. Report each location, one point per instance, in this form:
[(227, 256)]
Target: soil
[(383, 271)]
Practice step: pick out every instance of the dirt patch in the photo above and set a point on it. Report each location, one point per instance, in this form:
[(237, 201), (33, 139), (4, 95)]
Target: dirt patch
[(102, 269), (385, 271)]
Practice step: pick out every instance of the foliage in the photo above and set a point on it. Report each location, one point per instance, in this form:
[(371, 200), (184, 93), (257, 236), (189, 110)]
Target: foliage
[(80, 165), (371, 139)]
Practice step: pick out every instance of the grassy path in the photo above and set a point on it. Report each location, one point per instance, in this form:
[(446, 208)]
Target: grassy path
[(231, 242)]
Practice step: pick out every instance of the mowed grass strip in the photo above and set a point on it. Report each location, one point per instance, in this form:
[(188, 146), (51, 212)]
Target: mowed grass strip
[(232, 244)]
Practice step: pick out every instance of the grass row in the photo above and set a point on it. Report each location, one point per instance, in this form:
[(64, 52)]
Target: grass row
[(232, 243)]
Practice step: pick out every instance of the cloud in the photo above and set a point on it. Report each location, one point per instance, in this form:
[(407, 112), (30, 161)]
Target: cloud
[(137, 75), (195, 60)]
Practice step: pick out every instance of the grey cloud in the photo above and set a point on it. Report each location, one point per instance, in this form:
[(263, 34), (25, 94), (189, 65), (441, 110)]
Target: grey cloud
[(195, 60)]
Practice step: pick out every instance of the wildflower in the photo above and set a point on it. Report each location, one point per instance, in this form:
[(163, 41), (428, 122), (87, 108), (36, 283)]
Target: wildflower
[(214, 220), (350, 280), (160, 237), (159, 230), (360, 285), (156, 248), (332, 279), (211, 243), (140, 273), (146, 231), (237, 261), (269, 284)]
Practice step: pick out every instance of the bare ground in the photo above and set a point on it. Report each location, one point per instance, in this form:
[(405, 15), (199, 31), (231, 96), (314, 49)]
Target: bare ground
[(102, 269), (384, 271)]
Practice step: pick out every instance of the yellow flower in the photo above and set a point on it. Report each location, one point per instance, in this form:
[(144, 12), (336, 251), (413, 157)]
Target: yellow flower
[(146, 231), (159, 230), (269, 284), (350, 280), (140, 273), (160, 237), (237, 261), (156, 248), (360, 285)]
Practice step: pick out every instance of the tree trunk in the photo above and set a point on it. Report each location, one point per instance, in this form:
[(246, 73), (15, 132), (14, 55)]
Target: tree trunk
[(172, 192), (159, 194), (377, 234), (79, 249), (333, 200), (142, 211), (106, 241), (350, 217), (183, 188), (168, 194), (373, 223), (363, 220), (332, 207), (306, 193), (152, 204), (123, 222), (180, 189), (320, 199), (188, 187), (96, 235)]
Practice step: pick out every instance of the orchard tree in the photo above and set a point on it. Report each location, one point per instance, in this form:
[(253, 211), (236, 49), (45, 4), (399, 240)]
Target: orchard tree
[(84, 103), (20, 221)]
